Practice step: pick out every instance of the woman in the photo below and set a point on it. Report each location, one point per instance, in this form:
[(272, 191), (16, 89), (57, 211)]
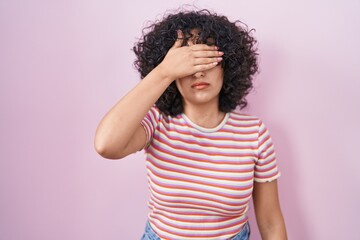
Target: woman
[(205, 160)]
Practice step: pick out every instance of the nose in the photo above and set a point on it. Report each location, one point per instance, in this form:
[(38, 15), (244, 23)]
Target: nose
[(199, 74)]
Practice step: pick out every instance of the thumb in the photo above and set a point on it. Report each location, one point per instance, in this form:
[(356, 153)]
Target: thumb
[(179, 40)]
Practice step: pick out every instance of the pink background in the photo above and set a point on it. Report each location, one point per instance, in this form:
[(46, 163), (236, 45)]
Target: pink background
[(63, 64)]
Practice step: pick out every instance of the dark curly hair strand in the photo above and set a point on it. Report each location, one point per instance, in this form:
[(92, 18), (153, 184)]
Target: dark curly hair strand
[(233, 38)]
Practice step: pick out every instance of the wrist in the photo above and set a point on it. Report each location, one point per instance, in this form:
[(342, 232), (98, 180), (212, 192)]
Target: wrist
[(162, 74)]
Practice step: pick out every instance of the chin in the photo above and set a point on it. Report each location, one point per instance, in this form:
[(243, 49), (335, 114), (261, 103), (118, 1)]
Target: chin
[(204, 100)]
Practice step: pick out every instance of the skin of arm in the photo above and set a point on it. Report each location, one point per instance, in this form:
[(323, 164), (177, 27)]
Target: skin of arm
[(120, 133), (267, 210)]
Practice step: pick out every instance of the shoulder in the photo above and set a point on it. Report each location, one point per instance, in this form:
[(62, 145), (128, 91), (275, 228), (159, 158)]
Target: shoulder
[(242, 118), (247, 121), (156, 115)]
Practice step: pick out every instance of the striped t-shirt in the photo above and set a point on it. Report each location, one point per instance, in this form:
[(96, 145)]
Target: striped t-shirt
[(201, 179)]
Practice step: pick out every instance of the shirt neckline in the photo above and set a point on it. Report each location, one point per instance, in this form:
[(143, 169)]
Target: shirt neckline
[(203, 129)]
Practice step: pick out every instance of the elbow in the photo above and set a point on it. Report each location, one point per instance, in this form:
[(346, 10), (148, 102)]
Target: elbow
[(107, 152)]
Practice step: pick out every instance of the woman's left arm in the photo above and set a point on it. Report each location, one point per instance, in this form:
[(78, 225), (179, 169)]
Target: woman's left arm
[(267, 210)]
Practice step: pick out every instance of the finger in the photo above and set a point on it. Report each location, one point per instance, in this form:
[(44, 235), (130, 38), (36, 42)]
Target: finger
[(179, 41), (205, 67), (203, 47), (207, 54), (205, 61)]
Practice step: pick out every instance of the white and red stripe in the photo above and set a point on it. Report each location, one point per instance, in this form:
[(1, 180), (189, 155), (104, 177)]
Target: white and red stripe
[(200, 179)]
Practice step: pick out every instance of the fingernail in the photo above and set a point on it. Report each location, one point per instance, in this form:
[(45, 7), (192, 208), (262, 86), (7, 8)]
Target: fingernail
[(221, 53)]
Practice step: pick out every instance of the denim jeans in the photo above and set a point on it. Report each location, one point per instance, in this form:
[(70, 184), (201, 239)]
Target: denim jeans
[(244, 234)]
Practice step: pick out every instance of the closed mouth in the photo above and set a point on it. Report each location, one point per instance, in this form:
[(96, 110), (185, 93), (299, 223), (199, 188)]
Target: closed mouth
[(200, 84)]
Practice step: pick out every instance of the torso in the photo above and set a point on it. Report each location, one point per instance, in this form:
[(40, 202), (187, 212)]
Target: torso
[(201, 179)]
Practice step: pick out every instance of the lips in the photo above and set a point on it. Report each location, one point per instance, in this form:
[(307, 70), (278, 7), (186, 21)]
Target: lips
[(200, 85)]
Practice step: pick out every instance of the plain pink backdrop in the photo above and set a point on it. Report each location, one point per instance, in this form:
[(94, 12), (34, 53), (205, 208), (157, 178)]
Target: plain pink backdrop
[(63, 64)]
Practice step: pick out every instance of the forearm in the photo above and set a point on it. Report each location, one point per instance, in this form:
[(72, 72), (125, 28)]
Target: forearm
[(268, 212), (273, 231), (119, 125)]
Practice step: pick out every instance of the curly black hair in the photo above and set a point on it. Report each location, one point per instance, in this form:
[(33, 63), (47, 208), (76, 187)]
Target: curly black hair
[(233, 38)]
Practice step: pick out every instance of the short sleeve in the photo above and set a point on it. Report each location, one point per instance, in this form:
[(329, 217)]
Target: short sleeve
[(149, 123), (266, 169)]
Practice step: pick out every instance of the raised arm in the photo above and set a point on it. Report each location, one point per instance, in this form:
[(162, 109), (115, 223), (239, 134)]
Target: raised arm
[(120, 132)]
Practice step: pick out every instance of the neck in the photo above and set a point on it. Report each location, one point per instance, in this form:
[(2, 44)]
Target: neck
[(207, 116)]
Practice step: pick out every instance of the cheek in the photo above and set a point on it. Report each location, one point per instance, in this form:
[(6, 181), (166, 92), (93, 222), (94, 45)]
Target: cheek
[(179, 86), (182, 83)]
